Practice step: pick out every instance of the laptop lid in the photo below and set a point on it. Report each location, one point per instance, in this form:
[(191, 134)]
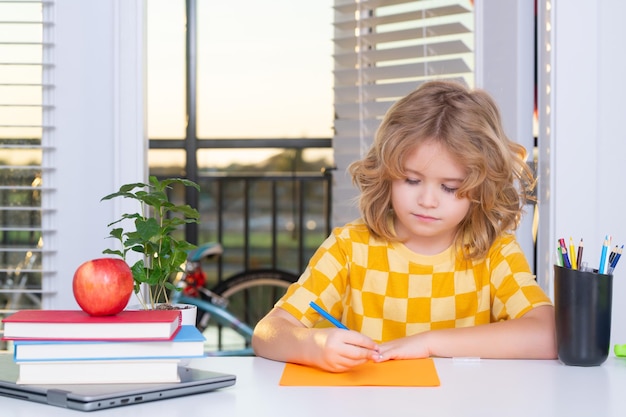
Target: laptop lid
[(90, 397)]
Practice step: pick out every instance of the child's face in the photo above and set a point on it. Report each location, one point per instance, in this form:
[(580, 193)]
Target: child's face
[(427, 210)]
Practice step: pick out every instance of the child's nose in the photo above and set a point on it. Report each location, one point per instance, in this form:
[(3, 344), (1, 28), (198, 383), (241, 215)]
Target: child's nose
[(428, 196)]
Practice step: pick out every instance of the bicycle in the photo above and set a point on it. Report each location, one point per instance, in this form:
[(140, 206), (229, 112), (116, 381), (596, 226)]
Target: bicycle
[(231, 308), (14, 289)]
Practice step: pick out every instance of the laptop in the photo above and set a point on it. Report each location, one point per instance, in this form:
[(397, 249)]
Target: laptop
[(91, 397)]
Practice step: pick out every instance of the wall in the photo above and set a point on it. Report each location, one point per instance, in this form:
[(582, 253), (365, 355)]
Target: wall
[(505, 68), (98, 134), (583, 139)]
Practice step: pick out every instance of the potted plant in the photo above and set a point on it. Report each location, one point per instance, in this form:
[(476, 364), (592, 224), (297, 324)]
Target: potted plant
[(162, 255)]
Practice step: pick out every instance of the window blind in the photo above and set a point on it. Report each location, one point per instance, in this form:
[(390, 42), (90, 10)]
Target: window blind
[(24, 131), (384, 49)]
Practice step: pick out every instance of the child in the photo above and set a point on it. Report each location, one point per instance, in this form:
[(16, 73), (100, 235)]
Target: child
[(432, 267)]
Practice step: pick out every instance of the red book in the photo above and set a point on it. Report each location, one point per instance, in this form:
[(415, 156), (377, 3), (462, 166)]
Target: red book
[(78, 325)]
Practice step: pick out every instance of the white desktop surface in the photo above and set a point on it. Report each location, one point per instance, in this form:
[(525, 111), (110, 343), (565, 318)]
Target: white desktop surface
[(499, 388)]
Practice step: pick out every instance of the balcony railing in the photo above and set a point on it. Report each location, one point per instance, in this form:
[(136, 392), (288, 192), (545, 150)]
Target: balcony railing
[(263, 220)]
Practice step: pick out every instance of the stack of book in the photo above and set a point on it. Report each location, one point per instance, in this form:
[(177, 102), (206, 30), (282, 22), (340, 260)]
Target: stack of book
[(72, 347)]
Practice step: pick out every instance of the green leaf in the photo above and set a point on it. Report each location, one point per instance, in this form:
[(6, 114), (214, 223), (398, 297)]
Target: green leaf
[(129, 187), (147, 229), (113, 252), (154, 223), (117, 233), (139, 272)]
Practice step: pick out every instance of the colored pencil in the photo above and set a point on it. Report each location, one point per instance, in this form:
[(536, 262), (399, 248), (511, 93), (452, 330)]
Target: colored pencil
[(579, 257), (605, 247), (615, 259), (572, 253), (327, 316), (566, 261)]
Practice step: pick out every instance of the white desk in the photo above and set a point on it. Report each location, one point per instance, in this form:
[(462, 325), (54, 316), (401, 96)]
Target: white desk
[(498, 388)]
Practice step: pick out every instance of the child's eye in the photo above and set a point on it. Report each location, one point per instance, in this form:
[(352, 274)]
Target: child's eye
[(412, 181), (448, 189)]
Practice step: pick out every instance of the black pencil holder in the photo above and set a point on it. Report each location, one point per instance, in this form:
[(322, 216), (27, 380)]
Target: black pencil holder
[(583, 303)]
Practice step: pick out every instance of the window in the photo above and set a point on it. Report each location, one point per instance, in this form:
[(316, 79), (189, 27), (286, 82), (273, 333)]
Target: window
[(243, 83), (23, 131), (231, 95)]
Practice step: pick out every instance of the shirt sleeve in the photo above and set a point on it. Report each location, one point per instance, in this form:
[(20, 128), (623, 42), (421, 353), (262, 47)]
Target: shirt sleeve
[(323, 281), (514, 289)]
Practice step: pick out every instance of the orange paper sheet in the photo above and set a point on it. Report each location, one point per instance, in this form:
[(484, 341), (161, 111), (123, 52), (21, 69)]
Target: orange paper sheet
[(394, 373)]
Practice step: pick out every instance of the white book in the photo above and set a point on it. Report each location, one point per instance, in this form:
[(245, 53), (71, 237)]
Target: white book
[(99, 372)]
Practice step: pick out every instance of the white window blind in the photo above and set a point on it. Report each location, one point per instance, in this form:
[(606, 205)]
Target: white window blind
[(383, 50), (24, 128)]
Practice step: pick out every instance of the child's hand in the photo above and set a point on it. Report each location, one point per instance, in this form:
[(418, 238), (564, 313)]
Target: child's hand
[(412, 347), (338, 350)]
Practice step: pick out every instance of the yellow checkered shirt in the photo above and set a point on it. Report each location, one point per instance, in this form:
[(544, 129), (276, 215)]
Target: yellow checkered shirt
[(386, 291)]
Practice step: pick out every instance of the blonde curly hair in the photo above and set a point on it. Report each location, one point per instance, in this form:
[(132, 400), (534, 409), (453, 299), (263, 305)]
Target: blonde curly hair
[(467, 124)]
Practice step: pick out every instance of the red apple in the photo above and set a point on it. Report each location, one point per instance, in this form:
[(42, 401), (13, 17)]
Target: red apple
[(103, 286)]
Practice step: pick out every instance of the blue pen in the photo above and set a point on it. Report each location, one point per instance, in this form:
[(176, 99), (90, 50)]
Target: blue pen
[(327, 316)]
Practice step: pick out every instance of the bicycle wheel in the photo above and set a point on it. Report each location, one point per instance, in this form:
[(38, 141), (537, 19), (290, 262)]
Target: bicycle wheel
[(251, 295)]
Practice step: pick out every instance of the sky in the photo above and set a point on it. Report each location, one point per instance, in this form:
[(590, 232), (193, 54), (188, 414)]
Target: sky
[(264, 69)]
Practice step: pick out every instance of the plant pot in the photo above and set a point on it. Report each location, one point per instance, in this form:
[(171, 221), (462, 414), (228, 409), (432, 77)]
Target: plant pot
[(188, 311)]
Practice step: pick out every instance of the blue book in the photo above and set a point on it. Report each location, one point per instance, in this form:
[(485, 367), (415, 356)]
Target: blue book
[(188, 343)]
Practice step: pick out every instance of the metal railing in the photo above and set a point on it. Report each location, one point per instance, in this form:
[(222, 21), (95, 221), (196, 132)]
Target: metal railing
[(269, 220)]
